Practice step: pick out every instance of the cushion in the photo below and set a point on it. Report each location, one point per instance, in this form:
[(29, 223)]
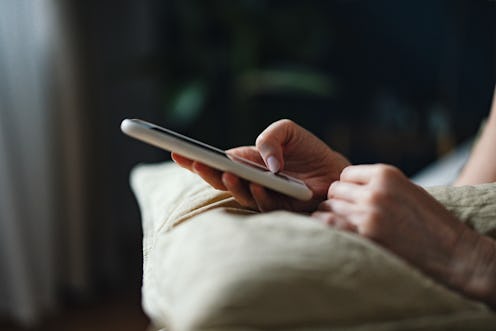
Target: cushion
[(211, 265)]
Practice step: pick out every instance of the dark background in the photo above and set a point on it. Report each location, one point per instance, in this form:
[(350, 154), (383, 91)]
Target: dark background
[(400, 82)]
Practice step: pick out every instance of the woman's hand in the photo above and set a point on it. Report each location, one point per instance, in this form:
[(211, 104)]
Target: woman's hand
[(283, 146), (380, 203)]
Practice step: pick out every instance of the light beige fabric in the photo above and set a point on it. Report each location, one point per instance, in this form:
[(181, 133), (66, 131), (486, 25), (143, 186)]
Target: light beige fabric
[(474, 205), (226, 268)]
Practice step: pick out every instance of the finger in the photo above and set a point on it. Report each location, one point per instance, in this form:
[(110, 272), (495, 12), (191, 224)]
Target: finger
[(265, 199), (345, 191), (359, 174), (271, 141), (344, 225), (341, 207), (239, 189), (325, 217), (336, 221), (182, 161), (247, 152), (210, 175)]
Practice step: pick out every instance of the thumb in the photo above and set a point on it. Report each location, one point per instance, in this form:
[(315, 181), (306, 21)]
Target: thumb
[(271, 141)]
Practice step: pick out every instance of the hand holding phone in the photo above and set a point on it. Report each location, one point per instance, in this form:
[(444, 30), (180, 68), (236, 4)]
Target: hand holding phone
[(300, 154), (215, 158)]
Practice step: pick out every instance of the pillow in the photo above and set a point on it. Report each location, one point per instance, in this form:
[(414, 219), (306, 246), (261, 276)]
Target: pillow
[(473, 205), (211, 265)]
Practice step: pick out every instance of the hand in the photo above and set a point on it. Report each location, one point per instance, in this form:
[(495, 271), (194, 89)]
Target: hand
[(283, 146), (380, 203)]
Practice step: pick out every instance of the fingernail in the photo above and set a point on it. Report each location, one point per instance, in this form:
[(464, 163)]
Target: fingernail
[(273, 164)]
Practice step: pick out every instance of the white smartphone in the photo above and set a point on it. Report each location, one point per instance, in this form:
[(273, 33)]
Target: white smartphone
[(215, 158)]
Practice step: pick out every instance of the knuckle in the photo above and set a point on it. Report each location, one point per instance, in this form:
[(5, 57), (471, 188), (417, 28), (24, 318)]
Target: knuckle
[(372, 224), (387, 173), (344, 172), (376, 196), (283, 125), (332, 188), (370, 196), (329, 219), (261, 139), (285, 122)]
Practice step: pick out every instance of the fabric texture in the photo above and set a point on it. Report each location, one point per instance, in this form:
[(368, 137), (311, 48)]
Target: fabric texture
[(211, 265)]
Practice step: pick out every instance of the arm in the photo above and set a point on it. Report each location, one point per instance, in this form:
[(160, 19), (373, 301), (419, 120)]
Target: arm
[(378, 202), (481, 166)]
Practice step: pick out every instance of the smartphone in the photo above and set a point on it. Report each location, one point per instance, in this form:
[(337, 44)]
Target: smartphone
[(215, 158)]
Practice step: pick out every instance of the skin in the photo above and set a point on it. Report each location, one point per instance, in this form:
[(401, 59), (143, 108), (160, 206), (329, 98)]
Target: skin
[(480, 167), (376, 201), (379, 203), (295, 150)]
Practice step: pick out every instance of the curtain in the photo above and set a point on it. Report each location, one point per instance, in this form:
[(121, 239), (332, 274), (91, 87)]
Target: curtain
[(40, 181)]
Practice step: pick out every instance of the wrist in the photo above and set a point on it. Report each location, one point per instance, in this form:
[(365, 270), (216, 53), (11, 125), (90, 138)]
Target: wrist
[(473, 267), (482, 283)]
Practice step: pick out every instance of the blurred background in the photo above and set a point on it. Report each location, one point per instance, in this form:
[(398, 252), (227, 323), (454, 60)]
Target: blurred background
[(401, 82)]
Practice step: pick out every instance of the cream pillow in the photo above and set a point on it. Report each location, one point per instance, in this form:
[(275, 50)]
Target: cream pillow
[(226, 268)]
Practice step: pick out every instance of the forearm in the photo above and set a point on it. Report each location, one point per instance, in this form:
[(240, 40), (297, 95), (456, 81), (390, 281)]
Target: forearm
[(481, 166), (483, 281)]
